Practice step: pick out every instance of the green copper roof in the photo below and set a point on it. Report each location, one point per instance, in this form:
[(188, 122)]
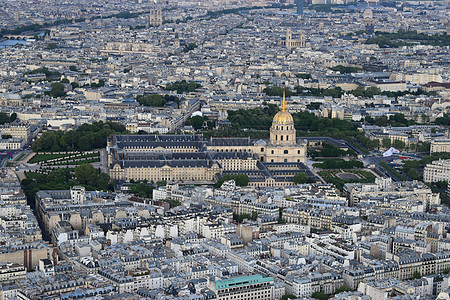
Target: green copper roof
[(239, 281)]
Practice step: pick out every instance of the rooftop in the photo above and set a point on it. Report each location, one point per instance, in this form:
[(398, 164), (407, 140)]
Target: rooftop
[(239, 281)]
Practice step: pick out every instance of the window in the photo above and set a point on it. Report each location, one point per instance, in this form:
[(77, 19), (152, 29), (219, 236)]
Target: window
[(298, 151), (262, 149), (281, 138), (286, 151), (272, 151), (287, 138)]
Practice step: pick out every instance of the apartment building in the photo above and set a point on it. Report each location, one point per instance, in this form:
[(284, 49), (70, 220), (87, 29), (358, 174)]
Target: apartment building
[(438, 170), (244, 287)]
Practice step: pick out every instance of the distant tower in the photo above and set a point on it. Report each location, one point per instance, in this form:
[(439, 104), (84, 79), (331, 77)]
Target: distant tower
[(368, 14), (299, 4), (294, 43), (288, 36), (368, 20), (16, 16), (155, 18), (302, 39)]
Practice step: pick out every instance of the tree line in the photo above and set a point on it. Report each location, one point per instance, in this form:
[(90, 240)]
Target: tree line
[(5, 118), (337, 92), (240, 180), (155, 100), (255, 123), (85, 137), (399, 38), (183, 86), (65, 178)]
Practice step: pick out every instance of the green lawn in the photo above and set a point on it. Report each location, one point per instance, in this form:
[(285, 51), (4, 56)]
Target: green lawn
[(332, 177), (87, 161), (44, 157)]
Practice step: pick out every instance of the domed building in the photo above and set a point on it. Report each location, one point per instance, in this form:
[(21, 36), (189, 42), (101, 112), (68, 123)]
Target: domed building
[(283, 145), (282, 131), (192, 159)]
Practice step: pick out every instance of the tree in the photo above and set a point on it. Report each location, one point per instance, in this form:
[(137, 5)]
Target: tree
[(73, 68), (343, 69), (189, 47), (300, 178), (183, 86), (374, 144), (173, 203), (400, 145), (101, 82), (6, 136), (417, 275), (381, 121), (197, 121), (51, 46), (85, 173), (142, 190), (12, 117), (288, 296), (278, 91), (102, 181), (57, 90), (4, 118), (240, 180), (424, 147), (320, 296), (314, 105), (241, 217), (156, 100), (161, 183), (343, 289), (358, 92), (386, 142), (445, 120), (304, 75), (85, 137)]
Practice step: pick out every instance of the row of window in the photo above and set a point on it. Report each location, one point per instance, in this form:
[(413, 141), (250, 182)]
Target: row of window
[(235, 150), (287, 127), (284, 151), (281, 137)]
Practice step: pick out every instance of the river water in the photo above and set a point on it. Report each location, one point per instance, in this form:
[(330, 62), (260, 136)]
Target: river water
[(9, 43)]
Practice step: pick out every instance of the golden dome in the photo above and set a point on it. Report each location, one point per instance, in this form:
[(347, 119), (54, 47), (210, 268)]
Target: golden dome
[(283, 117)]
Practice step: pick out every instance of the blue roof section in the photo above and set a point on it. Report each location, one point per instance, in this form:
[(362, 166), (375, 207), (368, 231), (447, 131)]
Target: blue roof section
[(239, 281)]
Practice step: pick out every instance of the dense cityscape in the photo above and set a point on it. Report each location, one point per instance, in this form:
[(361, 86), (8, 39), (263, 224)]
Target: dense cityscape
[(230, 150)]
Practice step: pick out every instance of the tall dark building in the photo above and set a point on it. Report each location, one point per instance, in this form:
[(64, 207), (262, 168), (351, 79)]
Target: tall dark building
[(300, 4)]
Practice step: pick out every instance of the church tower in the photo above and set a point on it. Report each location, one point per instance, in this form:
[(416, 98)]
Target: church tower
[(282, 131)]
